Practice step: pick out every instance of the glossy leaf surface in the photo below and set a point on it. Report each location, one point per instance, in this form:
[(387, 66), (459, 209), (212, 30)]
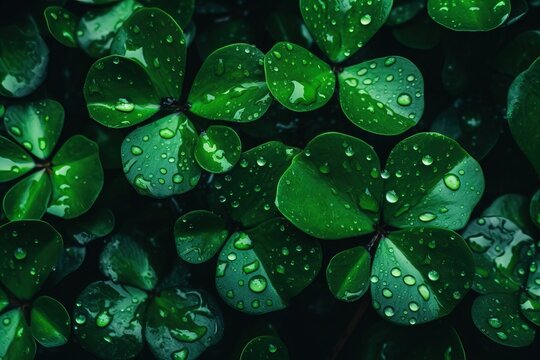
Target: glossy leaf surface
[(50, 322), (348, 273), (218, 149), (62, 25), (29, 198), (469, 15), (16, 341)]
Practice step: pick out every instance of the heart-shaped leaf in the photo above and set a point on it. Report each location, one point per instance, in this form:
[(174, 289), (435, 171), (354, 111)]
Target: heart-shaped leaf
[(181, 10), (497, 317), (265, 347), (348, 273), (130, 260), (299, 80), (14, 161), (36, 125), (158, 157), (261, 269), (502, 253), (62, 25), (218, 149), (432, 182), (247, 193), (332, 189), (341, 28), (156, 42), (181, 324), (119, 92), (384, 96), (420, 275), (469, 15), (230, 85), (199, 235), (29, 198), (534, 208), (523, 103), (49, 322), (76, 177), (96, 29), (109, 320), (513, 207), (24, 58), (30, 250), (17, 340)]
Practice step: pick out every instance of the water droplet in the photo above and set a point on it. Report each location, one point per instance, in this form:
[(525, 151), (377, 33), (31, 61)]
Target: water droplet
[(427, 160), (181, 354), (169, 39), (452, 182), (166, 133), (365, 20), (395, 272), (124, 105), (404, 99), (135, 150), (391, 196), (424, 292), (495, 322), (103, 319), (15, 130), (433, 275), (19, 253), (427, 217), (257, 284), (80, 319), (389, 311), (501, 335), (409, 280), (413, 306)]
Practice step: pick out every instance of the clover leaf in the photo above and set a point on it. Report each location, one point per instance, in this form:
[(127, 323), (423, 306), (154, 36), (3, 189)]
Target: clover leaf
[(62, 25), (265, 347), (348, 273), (470, 15)]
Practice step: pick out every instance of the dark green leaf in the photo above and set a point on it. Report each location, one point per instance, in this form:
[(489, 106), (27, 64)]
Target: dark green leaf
[(523, 103), (158, 158), (497, 316), (97, 2), (530, 298), (502, 253), (50, 323), (420, 275), (469, 15), (332, 189), (16, 340), (181, 324), (76, 176), (223, 33), (247, 193), (218, 149), (421, 33), (348, 273), (24, 57), (341, 28), (36, 125), (71, 259), (384, 96), (30, 250), (119, 92), (534, 209), (431, 182), (404, 11), (14, 161), (96, 29), (62, 25), (153, 39), (513, 207), (29, 198), (299, 80), (230, 85), (96, 223), (180, 10), (261, 269), (109, 320), (4, 300), (266, 347), (199, 235), (519, 54), (285, 26)]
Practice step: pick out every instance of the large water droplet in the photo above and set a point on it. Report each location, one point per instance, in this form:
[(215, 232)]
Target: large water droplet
[(452, 182), (124, 105)]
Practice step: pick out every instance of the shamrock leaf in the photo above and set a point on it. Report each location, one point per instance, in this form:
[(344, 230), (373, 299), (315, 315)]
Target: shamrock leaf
[(470, 15), (348, 273), (62, 25), (218, 149), (265, 347), (50, 323)]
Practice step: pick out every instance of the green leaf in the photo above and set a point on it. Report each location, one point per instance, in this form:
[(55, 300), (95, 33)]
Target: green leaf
[(519, 54), (199, 235), (348, 274), (222, 33), (71, 259), (530, 298), (230, 85), (502, 253), (36, 125), (534, 208), (384, 96), (523, 103), (432, 182), (97, 2), (341, 28), (50, 323), (130, 260), (497, 317), (265, 347), (4, 300), (181, 324), (16, 341), (158, 158), (29, 198), (153, 39), (469, 15), (94, 224), (24, 58), (30, 250), (514, 207), (109, 320), (76, 176), (14, 161), (421, 33), (62, 25), (420, 274), (247, 193), (218, 149), (119, 92), (261, 269), (96, 29), (181, 10), (404, 10), (299, 80), (284, 25), (332, 190)]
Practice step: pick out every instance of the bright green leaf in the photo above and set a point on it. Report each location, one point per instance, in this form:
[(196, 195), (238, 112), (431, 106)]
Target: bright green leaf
[(16, 340), (14, 161), (469, 15), (299, 80), (29, 198), (218, 149), (49, 322), (348, 273), (62, 25)]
